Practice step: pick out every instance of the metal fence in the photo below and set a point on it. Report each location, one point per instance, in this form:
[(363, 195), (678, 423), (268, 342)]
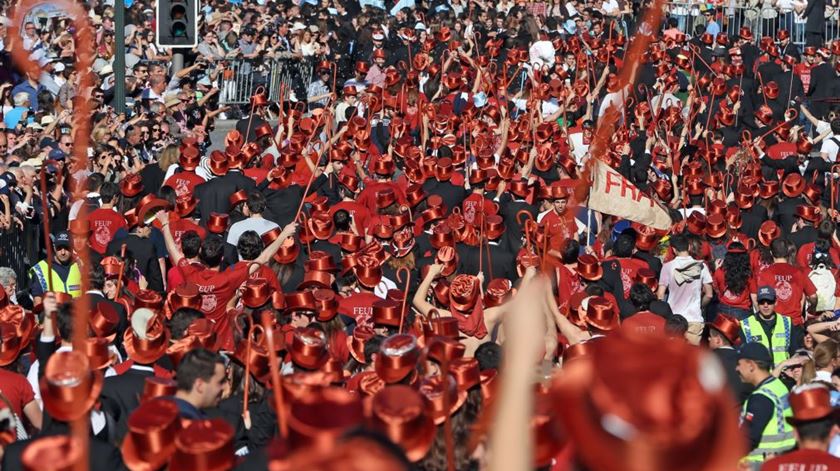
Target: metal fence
[(242, 77), (760, 16)]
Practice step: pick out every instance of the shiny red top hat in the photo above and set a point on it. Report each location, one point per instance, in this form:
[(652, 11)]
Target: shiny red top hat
[(350, 182), (746, 33), (398, 355), (443, 169), (368, 271), (185, 205), (808, 213), (386, 312), (414, 194), (812, 192), (793, 185), (729, 327), (131, 185), (321, 225), (385, 197), (79, 227), (204, 445), (643, 393), (810, 402), (148, 348), (217, 223), (768, 189), (498, 292), (716, 226), (441, 348), (646, 238), (69, 387), (398, 411), (464, 291), (154, 387), (148, 299), (318, 419), (237, 197), (601, 314), (10, 344), (103, 321), (696, 223), (768, 232), (255, 293), (356, 342), (589, 268), (289, 249), (189, 158), (218, 163), (23, 321), (152, 429), (309, 348)]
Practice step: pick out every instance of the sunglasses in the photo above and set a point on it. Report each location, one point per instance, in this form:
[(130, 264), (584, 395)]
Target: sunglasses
[(766, 302)]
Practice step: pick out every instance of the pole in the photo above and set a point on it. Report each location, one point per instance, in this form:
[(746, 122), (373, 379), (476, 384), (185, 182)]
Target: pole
[(178, 62), (119, 58)]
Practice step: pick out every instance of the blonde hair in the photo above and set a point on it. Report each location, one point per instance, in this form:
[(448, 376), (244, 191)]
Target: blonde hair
[(168, 157), (824, 353)]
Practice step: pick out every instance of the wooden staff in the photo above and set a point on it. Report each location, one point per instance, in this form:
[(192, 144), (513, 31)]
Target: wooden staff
[(246, 414), (405, 292), (122, 271)]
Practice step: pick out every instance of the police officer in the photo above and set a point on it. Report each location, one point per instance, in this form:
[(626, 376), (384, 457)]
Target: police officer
[(772, 330), (764, 411), (66, 276)]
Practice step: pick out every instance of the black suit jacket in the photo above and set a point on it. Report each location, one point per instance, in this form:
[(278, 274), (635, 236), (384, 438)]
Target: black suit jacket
[(120, 396), (803, 236), (281, 205), (103, 456), (213, 195), (94, 299)]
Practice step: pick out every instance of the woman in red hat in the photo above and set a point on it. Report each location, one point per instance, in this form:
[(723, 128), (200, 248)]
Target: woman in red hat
[(734, 282)]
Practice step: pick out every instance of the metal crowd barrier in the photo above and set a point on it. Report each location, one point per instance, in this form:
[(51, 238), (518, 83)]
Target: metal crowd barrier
[(242, 77), (759, 15)]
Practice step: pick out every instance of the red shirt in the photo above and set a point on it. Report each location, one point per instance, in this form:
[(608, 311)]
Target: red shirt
[(17, 390), (803, 256), (257, 174), (183, 182), (791, 285), (629, 268), (263, 273), (781, 150), (740, 300), (180, 227), (560, 226), (568, 285), (358, 306), (755, 262), (644, 322), (802, 460), (472, 206), (359, 213), (104, 224), (217, 288), (367, 197)]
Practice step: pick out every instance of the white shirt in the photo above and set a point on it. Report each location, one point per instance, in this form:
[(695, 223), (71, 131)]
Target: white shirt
[(258, 224), (685, 293), (830, 147), (32, 376)]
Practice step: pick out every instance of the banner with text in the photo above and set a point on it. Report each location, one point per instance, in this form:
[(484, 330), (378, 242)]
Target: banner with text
[(612, 194)]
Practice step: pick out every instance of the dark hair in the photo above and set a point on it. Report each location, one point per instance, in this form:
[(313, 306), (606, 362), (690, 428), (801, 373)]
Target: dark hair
[(108, 191), (197, 364), (676, 326), (97, 277), (816, 430), (835, 126), (212, 250), (94, 181), (341, 219), (825, 229), (679, 242), (64, 321), (641, 296), (779, 248), (372, 346), (736, 271), (181, 320), (250, 245), (716, 333), (256, 202), (570, 252), (190, 244), (623, 245), (488, 355)]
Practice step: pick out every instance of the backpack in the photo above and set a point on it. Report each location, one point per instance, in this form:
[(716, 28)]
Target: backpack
[(826, 284)]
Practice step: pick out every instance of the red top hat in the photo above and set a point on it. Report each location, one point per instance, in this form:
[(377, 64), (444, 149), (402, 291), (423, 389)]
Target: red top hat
[(771, 89), (147, 350), (321, 225), (326, 304), (11, 344), (79, 227), (351, 182), (398, 412), (237, 197), (319, 418), (494, 226), (744, 199), (103, 321), (601, 314), (643, 393), (402, 243), (498, 291), (729, 327), (646, 238), (218, 163), (398, 355), (812, 192), (810, 403), (320, 261), (309, 348), (441, 348), (808, 213), (189, 158), (152, 429), (464, 291), (368, 271), (793, 185), (289, 249), (356, 342), (768, 232), (385, 197), (647, 277), (255, 293), (217, 223), (716, 226), (185, 205), (768, 189), (154, 387), (22, 320), (131, 185), (746, 33), (414, 194), (589, 268), (69, 387), (386, 312), (205, 445), (696, 223)]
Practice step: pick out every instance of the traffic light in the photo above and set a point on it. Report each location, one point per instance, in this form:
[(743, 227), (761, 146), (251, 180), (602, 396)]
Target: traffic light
[(177, 23)]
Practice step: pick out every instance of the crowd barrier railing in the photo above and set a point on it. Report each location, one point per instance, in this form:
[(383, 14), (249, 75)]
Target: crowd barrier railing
[(242, 77)]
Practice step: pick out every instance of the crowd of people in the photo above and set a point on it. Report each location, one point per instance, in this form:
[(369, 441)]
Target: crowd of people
[(399, 264)]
